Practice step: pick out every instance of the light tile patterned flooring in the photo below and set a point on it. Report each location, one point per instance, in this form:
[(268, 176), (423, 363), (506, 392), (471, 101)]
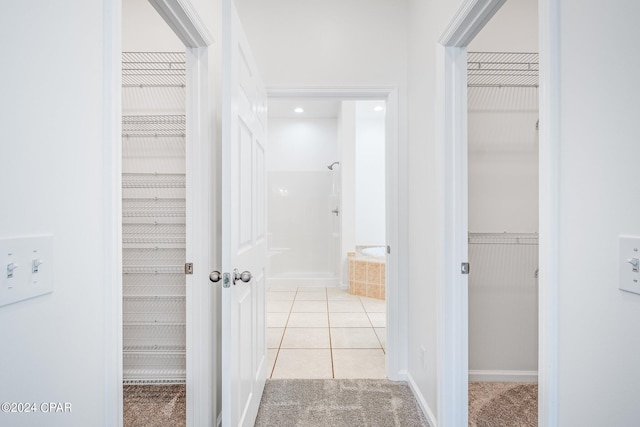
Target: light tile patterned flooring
[(325, 333)]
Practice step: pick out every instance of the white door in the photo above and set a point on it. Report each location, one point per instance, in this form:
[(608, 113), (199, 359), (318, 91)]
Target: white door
[(244, 362)]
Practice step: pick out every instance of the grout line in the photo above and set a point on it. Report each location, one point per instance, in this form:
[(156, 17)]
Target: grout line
[(374, 328), (333, 371), (275, 361)]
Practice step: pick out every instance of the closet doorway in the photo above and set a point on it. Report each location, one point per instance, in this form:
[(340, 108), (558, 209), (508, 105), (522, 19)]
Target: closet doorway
[(502, 173), (503, 236), (515, 63), (168, 324)]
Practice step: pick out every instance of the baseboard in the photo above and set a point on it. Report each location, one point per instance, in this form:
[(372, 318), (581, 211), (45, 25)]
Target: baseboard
[(503, 376), (431, 419)]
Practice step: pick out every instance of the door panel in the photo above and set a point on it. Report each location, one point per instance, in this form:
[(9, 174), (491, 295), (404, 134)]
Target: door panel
[(243, 227)]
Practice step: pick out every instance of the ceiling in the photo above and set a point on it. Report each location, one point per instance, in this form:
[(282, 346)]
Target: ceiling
[(315, 108), (318, 108)]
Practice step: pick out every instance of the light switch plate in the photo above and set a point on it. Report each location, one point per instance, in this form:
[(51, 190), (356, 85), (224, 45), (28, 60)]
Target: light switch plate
[(628, 258), (26, 283)]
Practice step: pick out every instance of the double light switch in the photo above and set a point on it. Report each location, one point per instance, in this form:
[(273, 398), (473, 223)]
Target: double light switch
[(629, 263), (25, 268)]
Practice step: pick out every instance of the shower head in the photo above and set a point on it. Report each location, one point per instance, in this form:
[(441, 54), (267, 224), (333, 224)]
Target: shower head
[(332, 165)]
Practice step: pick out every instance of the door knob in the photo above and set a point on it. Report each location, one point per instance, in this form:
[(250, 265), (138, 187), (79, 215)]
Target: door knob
[(245, 276), (215, 276)]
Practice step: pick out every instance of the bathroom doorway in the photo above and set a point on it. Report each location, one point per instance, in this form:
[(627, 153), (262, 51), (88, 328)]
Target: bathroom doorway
[(326, 225)]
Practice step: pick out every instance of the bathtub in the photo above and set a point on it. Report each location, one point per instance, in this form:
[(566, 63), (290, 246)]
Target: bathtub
[(374, 251), (367, 272)]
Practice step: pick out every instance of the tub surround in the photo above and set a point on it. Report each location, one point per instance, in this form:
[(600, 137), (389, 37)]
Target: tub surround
[(367, 275)]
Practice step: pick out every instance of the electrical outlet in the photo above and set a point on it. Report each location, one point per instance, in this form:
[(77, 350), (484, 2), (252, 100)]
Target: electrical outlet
[(423, 357)]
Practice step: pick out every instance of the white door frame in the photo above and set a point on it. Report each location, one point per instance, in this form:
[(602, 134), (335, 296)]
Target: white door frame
[(183, 19), (396, 203), (452, 143)]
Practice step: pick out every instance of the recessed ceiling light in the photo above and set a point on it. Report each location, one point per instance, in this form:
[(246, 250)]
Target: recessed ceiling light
[(299, 110), (378, 108)]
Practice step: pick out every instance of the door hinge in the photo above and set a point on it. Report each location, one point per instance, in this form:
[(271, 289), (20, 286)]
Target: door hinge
[(464, 268), (188, 268), (388, 249)]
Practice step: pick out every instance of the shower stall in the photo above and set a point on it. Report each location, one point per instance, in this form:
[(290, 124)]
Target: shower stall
[(503, 215), (303, 199)]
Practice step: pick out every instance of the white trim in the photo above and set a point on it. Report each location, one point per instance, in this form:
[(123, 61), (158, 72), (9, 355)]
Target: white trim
[(452, 334), (183, 19), (468, 21), (112, 145), (504, 376), (426, 410), (397, 294), (200, 319), (549, 138)]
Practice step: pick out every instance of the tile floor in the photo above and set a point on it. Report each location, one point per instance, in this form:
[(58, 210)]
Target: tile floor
[(325, 333)]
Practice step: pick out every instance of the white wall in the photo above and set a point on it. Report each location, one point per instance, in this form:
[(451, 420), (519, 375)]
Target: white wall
[(598, 184), (370, 174), (503, 159), (597, 171), (308, 42), (503, 198), (144, 30), (519, 19), (302, 145), (54, 346), (426, 23)]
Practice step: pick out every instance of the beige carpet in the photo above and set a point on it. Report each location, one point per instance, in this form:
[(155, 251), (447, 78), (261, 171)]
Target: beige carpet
[(154, 406), (503, 404), (338, 403)]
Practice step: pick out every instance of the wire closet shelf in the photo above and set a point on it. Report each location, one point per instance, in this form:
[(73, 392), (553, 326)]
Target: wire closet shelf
[(154, 218), (502, 69), (503, 239), (153, 69), (166, 125)]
